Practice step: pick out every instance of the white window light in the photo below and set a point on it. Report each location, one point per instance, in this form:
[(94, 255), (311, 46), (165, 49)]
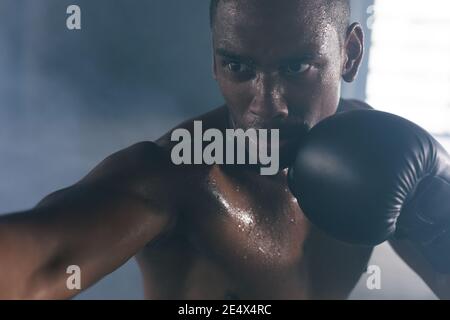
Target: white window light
[(409, 65)]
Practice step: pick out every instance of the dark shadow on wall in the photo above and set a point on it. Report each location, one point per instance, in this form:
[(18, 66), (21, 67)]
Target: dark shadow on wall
[(70, 98)]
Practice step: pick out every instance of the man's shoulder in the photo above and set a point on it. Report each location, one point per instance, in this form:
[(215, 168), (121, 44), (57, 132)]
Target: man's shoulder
[(155, 156), (216, 118), (136, 162), (352, 104)]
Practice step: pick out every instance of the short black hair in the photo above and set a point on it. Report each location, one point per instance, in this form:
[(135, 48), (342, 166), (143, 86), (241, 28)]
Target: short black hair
[(339, 8)]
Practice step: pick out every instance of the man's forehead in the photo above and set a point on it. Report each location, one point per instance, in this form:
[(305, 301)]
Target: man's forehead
[(275, 12), (270, 35), (274, 23)]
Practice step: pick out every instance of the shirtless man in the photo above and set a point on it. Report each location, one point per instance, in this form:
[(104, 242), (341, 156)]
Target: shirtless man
[(213, 232)]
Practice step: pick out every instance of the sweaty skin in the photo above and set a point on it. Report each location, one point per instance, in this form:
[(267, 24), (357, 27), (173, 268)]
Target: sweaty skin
[(211, 232), (241, 235)]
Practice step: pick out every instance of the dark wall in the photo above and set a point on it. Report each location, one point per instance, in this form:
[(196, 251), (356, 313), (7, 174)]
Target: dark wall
[(70, 98)]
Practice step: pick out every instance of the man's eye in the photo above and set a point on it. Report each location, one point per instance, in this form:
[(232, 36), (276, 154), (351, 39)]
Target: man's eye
[(237, 67), (297, 68)]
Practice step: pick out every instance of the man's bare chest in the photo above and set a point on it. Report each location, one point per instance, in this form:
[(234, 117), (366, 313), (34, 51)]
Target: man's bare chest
[(249, 227), (258, 228), (252, 238)]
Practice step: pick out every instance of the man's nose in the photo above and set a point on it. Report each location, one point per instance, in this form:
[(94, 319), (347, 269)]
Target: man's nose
[(268, 102)]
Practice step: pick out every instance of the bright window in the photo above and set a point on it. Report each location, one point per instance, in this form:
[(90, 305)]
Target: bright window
[(409, 66)]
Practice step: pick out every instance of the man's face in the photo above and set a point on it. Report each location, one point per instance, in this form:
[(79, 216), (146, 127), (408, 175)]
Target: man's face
[(278, 64)]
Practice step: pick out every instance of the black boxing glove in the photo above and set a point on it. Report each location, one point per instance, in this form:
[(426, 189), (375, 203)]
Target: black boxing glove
[(364, 176)]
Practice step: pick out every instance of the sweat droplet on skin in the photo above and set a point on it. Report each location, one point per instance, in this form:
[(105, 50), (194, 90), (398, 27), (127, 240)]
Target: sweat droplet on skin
[(244, 217)]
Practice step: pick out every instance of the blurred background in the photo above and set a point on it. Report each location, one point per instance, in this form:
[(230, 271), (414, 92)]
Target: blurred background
[(136, 68)]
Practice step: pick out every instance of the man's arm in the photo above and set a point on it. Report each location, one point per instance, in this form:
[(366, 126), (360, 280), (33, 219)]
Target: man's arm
[(97, 224)]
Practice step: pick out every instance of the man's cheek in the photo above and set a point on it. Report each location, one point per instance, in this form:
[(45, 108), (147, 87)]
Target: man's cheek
[(237, 96)]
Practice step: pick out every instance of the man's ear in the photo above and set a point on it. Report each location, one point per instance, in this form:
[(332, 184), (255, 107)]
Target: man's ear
[(354, 51)]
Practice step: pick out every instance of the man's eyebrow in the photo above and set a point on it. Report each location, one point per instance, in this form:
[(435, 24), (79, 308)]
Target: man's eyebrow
[(300, 55), (233, 56), (303, 56)]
